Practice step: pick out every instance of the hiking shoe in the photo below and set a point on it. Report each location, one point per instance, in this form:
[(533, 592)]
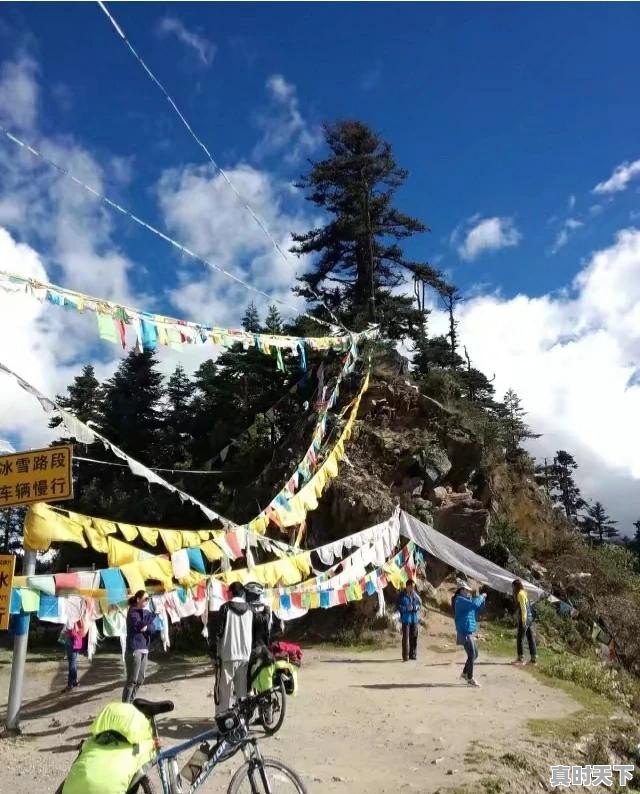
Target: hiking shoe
[(533, 661), (473, 682)]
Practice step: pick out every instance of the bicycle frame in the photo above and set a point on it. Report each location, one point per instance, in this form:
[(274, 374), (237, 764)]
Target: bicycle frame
[(223, 750)]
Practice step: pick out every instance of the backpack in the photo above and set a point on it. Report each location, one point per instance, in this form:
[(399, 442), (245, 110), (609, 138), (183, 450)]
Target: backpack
[(287, 651), (121, 744)]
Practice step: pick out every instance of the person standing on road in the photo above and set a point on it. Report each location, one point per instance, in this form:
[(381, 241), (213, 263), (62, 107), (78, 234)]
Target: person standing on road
[(233, 641), (139, 623), (466, 608), (73, 645), (409, 606), (262, 616), (524, 616)]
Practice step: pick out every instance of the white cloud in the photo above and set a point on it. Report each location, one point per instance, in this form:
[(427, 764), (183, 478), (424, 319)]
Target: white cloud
[(571, 203), (284, 129), (568, 228), (19, 92), (204, 49), (573, 359), (620, 178), (478, 235), (202, 211)]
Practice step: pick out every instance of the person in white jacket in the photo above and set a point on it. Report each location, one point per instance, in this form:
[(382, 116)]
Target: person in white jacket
[(233, 645)]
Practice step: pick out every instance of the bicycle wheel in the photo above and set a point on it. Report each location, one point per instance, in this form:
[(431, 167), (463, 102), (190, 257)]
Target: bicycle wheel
[(143, 786), (281, 780), (273, 709)]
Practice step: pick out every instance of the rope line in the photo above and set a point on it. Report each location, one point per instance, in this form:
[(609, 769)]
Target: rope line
[(263, 226), (183, 248)]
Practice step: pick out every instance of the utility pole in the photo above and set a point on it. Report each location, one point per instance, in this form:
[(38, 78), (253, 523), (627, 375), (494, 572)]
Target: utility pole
[(372, 298), (20, 640)]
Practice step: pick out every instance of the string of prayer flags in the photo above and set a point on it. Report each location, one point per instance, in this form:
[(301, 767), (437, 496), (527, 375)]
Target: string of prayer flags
[(152, 330), (287, 508)]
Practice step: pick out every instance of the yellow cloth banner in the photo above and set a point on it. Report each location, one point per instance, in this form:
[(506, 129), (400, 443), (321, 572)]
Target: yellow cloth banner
[(290, 570), (44, 526)]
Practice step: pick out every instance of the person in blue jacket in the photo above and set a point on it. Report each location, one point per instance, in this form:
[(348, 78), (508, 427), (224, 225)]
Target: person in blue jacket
[(409, 606), (466, 608)]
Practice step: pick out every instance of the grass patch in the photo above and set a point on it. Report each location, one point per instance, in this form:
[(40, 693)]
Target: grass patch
[(516, 761)]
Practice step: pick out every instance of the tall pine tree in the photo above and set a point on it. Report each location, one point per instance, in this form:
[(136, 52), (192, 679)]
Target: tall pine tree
[(597, 525), (562, 487), (359, 260), (132, 406)]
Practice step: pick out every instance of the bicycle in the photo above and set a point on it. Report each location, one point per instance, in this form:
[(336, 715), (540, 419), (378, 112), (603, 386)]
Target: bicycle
[(271, 706), (230, 735)]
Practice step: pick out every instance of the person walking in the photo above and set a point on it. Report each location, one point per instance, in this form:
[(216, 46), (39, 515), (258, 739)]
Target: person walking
[(139, 628), (72, 645), (466, 608), (524, 616), (233, 648), (409, 606)]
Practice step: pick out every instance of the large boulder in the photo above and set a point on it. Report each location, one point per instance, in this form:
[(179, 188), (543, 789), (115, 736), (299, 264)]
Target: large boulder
[(464, 523), (428, 464), (465, 454)]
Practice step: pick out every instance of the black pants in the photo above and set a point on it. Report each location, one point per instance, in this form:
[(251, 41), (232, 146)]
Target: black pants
[(531, 641), (409, 640), (472, 654)]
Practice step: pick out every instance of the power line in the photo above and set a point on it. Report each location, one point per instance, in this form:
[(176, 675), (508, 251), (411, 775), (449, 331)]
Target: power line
[(154, 468), (183, 248), (263, 226)]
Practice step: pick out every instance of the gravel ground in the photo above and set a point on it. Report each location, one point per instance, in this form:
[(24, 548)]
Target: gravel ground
[(362, 722)]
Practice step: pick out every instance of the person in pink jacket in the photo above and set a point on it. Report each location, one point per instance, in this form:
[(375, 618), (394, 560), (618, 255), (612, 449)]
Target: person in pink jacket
[(73, 644)]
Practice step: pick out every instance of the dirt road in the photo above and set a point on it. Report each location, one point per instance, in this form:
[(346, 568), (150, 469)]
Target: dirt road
[(363, 722)]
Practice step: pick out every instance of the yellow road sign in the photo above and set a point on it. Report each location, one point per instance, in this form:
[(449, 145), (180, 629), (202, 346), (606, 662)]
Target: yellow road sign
[(7, 565), (41, 475)]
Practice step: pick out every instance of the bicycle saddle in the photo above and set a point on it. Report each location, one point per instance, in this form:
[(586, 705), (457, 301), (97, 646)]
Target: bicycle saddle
[(151, 708)]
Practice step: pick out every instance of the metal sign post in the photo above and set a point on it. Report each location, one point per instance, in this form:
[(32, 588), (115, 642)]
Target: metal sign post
[(40, 475), (20, 640)]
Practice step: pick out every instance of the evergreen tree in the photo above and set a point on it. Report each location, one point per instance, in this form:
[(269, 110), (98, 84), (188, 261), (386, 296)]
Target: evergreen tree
[(11, 529), (515, 429), (179, 418), (635, 543), (84, 399), (360, 260), (132, 406), (273, 323), (251, 319), (562, 487), (597, 525)]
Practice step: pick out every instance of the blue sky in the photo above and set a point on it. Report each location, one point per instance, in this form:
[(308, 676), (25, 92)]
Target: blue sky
[(506, 116), (497, 109)]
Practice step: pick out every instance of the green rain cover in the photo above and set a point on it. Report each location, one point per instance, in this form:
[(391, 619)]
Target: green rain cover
[(108, 767)]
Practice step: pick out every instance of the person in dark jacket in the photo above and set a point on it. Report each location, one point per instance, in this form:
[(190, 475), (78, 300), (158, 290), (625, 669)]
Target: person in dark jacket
[(409, 606), (524, 616), (466, 609), (139, 623), (262, 616)]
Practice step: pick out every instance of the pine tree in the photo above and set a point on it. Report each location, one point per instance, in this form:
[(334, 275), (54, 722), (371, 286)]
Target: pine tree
[(636, 538), (132, 406), (85, 397), (11, 529), (515, 429), (597, 525), (562, 487), (273, 323), (360, 260), (251, 319), (178, 424)]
